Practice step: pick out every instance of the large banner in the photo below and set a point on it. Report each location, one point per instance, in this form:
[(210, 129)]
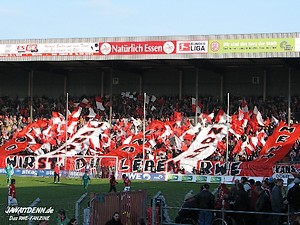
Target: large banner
[(222, 46), (32, 165)]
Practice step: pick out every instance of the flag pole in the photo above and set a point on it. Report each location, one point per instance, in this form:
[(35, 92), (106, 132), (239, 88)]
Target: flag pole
[(110, 97), (67, 109), (197, 99), (289, 98), (144, 129), (227, 136)]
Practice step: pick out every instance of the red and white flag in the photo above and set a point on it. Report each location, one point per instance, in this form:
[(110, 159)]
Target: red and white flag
[(84, 103), (92, 113), (99, 103), (206, 118), (244, 106), (73, 120), (194, 107), (221, 117), (204, 146), (258, 116)]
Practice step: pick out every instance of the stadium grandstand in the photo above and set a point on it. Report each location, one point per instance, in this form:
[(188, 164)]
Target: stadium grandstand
[(245, 85)]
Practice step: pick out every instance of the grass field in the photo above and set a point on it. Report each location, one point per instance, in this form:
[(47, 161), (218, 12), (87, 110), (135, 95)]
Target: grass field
[(65, 194)]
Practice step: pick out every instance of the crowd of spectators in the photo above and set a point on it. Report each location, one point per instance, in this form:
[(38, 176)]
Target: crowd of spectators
[(267, 198), (15, 112), (131, 105)]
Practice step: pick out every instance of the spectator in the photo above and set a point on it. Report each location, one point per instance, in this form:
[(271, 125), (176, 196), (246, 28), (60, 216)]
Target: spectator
[(293, 196), (115, 220), (62, 219), (73, 221), (223, 195), (266, 186), (277, 201), (233, 192), (247, 187), (241, 202), (272, 183), (185, 211), (263, 204), (252, 195), (205, 200), (291, 184)]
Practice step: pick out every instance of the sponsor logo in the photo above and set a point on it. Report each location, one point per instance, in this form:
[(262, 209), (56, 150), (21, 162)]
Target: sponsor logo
[(146, 176), (192, 46), (159, 177), (215, 46), (168, 47), (173, 178), (105, 48), (215, 179), (187, 178), (201, 179), (286, 46)]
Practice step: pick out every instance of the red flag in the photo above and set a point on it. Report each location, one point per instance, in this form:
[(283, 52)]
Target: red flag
[(126, 151), (238, 147), (177, 116), (279, 143), (221, 117), (14, 146)]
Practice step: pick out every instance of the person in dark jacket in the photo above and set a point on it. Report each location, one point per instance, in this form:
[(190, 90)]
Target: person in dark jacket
[(186, 210), (115, 220), (205, 200), (233, 191), (277, 201), (263, 204), (293, 196), (240, 203)]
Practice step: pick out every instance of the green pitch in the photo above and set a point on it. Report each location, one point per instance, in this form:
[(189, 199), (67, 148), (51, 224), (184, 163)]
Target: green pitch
[(65, 194)]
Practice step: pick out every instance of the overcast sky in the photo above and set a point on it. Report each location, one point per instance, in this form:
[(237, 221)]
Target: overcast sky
[(24, 19)]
